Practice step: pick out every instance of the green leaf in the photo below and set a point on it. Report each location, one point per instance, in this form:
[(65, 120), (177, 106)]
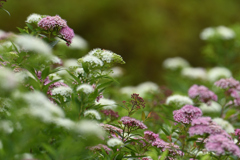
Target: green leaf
[(45, 87), (143, 116), (104, 84), (30, 26), (85, 67), (45, 72), (164, 155), (74, 77)]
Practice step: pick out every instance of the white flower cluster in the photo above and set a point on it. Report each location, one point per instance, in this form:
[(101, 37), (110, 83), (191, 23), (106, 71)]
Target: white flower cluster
[(217, 73), (107, 103), (34, 18), (90, 127), (71, 63), (92, 113), (78, 43), (104, 55), (112, 142), (93, 60), (55, 60), (116, 72), (224, 124), (79, 71), (34, 44), (194, 73), (175, 63), (214, 107), (86, 88), (220, 31), (8, 44), (62, 90), (179, 100), (8, 80), (142, 89), (6, 126)]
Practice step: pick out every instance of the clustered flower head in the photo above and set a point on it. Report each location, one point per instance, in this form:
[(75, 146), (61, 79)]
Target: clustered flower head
[(150, 136), (227, 83), (114, 142), (204, 125), (86, 88), (222, 145), (92, 113), (137, 101), (110, 128), (186, 114), (194, 73), (218, 72), (221, 32), (111, 113), (99, 147), (58, 24), (179, 100), (202, 93), (133, 123), (34, 18), (175, 63), (237, 133)]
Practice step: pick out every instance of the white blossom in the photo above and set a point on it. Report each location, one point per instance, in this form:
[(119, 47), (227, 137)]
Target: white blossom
[(92, 113), (214, 107), (224, 124), (90, 127), (225, 33), (93, 60), (71, 63), (207, 33), (34, 44), (23, 75), (116, 72), (62, 90), (34, 18), (55, 60), (78, 43), (64, 122), (107, 103), (147, 87), (179, 100), (79, 71), (114, 142), (86, 88), (8, 80), (6, 126), (175, 63), (128, 90), (194, 73), (217, 73)]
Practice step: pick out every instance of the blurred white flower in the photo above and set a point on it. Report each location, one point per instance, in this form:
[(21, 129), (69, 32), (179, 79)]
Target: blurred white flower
[(8, 44), (92, 113), (114, 142), (194, 73), (79, 71), (23, 75), (62, 90), (78, 43), (128, 90), (71, 63), (207, 33), (175, 63), (64, 122), (34, 18), (108, 103), (217, 73), (179, 100), (225, 32), (224, 124), (34, 44), (104, 55), (220, 31), (90, 127), (6, 126), (86, 88), (116, 72), (147, 87), (54, 76), (55, 60), (8, 79), (214, 107), (40, 106)]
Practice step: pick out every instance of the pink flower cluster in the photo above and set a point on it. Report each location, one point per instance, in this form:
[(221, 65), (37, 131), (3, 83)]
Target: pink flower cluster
[(111, 128), (149, 136), (203, 125), (233, 87), (67, 34), (220, 144), (202, 93), (111, 113), (237, 133), (186, 114), (52, 22), (132, 123), (99, 148), (227, 83)]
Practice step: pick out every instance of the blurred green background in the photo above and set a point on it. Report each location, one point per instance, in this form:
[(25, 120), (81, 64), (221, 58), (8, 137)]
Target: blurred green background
[(144, 33)]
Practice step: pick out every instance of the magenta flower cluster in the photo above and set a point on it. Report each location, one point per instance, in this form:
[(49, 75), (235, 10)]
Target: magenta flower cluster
[(227, 83), (56, 22), (186, 114), (52, 22), (110, 128), (220, 144), (237, 133), (149, 136), (99, 147), (132, 123), (204, 125), (111, 113), (202, 93)]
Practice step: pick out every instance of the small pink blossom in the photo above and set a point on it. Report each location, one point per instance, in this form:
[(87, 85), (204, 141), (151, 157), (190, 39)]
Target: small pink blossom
[(186, 114), (133, 123), (99, 148), (202, 93), (220, 144), (150, 136), (51, 22), (67, 34), (227, 83)]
